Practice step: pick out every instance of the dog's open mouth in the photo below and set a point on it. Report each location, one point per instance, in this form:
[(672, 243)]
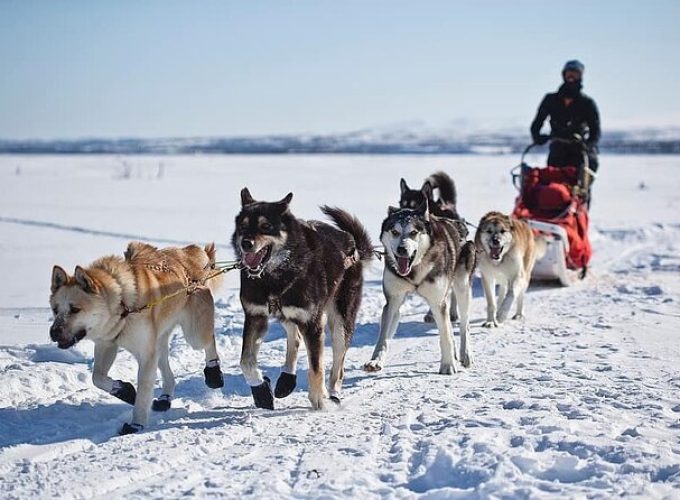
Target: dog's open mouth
[(255, 261), (495, 252), (404, 264), (65, 344)]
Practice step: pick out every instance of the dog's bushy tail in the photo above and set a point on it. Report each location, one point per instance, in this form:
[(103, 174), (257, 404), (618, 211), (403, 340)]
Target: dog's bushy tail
[(447, 188), (349, 223)]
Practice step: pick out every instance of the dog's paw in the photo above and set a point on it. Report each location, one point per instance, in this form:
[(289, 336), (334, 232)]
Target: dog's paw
[(447, 369), (285, 384), (124, 391), (518, 316), (453, 317), (490, 324), (213, 377), (317, 400), (162, 403), (466, 359), (335, 397), (130, 429), (429, 317), (502, 316), (263, 395), (373, 366)]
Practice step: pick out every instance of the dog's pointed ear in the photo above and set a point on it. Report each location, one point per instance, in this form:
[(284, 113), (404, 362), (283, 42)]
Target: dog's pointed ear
[(135, 247), (403, 186), (210, 252), (283, 203), (84, 280), (287, 199), (246, 198), (391, 210), (424, 209), (59, 278)]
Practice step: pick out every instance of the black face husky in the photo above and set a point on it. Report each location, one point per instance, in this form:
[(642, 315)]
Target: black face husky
[(300, 272), (445, 206), (424, 254)]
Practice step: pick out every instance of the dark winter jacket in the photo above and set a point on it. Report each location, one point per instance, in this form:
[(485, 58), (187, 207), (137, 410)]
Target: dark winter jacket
[(579, 117)]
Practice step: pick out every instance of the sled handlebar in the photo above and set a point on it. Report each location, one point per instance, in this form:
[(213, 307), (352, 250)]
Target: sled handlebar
[(576, 139), (586, 175)]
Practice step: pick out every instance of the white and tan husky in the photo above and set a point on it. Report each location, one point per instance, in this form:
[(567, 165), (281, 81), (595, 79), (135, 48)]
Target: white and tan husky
[(507, 254), (107, 302)]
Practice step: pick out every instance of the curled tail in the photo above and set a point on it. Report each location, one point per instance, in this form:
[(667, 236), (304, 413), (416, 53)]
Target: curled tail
[(350, 224), (447, 188)]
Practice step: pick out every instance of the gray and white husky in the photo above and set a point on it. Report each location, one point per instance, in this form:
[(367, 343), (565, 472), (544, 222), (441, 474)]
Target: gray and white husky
[(425, 254)]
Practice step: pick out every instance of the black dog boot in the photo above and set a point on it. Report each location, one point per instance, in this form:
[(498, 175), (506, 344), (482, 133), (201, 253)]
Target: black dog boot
[(213, 375), (130, 429), (124, 391), (285, 384), (262, 395), (162, 403)]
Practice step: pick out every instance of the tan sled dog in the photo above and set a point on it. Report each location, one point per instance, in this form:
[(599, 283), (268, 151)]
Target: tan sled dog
[(507, 257), (124, 302)]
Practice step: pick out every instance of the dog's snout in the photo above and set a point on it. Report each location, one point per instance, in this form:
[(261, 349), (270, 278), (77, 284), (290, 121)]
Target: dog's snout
[(247, 244), (495, 239), (56, 331), (57, 328), (401, 250)]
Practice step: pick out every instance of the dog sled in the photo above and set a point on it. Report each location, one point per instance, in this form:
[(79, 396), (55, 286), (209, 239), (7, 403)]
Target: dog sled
[(554, 201)]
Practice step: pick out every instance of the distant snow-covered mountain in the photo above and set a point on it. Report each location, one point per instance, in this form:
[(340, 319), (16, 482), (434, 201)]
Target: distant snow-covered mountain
[(456, 137)]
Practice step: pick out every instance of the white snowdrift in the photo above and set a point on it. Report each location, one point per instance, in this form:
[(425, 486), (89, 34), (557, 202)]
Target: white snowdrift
[(579, 399)]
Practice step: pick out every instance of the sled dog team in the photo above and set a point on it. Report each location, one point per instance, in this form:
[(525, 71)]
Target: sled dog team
[(305, 274)]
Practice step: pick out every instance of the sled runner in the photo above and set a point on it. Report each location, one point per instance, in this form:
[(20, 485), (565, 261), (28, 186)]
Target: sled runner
[(554, 201)]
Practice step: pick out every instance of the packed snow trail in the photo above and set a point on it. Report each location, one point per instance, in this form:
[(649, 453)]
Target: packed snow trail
[(580, 398)]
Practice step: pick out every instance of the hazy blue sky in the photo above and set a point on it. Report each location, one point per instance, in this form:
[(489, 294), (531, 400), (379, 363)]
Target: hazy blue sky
[(168, 68)]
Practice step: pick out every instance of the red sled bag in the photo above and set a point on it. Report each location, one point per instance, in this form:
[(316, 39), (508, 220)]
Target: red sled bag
[(549, 194)]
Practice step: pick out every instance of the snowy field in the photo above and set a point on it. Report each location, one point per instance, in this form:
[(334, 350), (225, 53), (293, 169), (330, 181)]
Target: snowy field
[(582, 398)]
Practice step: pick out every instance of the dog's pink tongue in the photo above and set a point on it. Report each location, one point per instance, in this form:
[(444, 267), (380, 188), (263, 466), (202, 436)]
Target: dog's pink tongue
[(403, 265), (253, 259)]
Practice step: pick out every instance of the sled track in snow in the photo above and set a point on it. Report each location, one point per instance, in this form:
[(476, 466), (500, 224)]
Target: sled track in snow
[(95, 232), (563, 402)]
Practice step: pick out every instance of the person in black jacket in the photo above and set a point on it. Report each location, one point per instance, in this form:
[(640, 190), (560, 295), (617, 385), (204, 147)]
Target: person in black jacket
[(571, 112)]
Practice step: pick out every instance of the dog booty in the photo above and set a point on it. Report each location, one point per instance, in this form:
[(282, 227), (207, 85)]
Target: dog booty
[(162, 403), (262, 395), (124, 391), (285, 384), (213, 376), (130, 429)]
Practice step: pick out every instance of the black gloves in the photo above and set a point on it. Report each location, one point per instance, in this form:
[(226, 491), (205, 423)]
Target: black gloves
[(541, 139)]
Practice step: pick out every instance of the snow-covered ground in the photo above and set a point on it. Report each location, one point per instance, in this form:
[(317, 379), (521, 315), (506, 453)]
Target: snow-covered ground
[(580, 399)]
